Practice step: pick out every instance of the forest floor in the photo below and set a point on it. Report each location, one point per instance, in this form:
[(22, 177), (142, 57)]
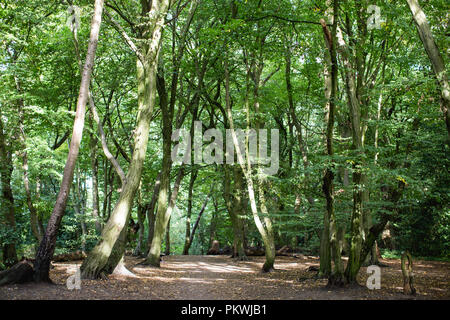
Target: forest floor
[(223, 278)]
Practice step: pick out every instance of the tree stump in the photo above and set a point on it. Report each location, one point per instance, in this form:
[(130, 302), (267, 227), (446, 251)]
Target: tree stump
[(408, 280)]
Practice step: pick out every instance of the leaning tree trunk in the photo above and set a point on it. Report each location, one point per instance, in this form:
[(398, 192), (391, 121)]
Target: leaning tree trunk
[(47, 246), (435, 57), (94, 167), (266, 230), (106, 254)]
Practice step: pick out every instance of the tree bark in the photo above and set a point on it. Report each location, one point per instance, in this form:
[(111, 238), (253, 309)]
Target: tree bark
[(167, 110), (47, 246), (151, 216), (109, 251), (167, 241), (296, 122), (6, 169), (161, 222), (236, 209), (196, 224), (94, 168), (36, 225), (265, 229), (187, 241), (330, 243)]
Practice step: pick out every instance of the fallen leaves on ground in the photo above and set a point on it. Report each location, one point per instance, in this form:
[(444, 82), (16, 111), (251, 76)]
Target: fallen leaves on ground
[(220, 277)]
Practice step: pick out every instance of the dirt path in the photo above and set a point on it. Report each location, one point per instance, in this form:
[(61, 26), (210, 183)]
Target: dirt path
[(219, 277)]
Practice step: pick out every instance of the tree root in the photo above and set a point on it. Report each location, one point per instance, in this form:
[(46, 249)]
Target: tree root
[(121, 270), (336, 281), (21, 272), (268, 268)]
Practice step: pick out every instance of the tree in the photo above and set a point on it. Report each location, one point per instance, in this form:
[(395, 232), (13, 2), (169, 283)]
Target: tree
[(435, 57), (107, 254), (47, 245)]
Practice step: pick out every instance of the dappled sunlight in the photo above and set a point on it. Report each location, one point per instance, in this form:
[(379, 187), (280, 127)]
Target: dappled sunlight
[(220, 277), (66, 267)]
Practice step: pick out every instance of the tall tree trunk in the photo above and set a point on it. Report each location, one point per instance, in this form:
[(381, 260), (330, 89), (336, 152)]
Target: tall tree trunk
[(435, 57), (7, 208), (187, 241), (36, 227), (265, 229), (196, 224), (47, 246), (161, 222), (357, 230), (151, 215), (141, 221), (331, 80), (236, 209), (167, 110), (79, 207), (109, 251), (167, 241), (296, 123), (94, 168), (163, 197)]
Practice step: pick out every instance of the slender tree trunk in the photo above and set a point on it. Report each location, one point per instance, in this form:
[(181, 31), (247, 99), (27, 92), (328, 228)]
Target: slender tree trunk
[(296, 123), (36, 227), (331, 80), (7, 208), (47, 246), (94, 167), (167, 110), (236, 209), (141, 221), (80, 209), (151, 216), (187, 241), (265, 229), (109, 251), (161, 222), (167, 241), (196, 224), (162, 216)]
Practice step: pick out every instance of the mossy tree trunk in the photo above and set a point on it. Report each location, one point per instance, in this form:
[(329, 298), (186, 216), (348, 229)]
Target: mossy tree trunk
[(109, 251), (7, 208)]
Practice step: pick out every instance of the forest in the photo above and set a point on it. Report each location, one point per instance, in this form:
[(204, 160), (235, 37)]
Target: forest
[(224, 149)]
